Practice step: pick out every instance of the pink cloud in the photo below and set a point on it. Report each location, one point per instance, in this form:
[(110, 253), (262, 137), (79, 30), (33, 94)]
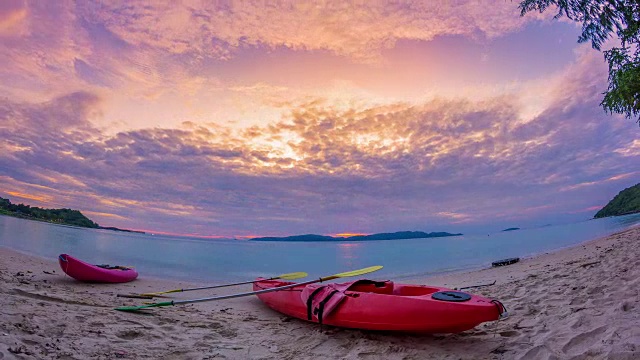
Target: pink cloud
[(356, 31), (13, 18)]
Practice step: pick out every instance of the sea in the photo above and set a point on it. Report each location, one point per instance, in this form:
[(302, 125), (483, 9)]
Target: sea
[(220, 261)]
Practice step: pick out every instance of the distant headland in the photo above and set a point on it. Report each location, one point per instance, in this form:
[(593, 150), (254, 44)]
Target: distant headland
[(55, 216), (625, 203), (380, 236)]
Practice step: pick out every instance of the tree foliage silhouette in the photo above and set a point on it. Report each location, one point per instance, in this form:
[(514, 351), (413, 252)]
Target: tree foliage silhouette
[(601, 18)]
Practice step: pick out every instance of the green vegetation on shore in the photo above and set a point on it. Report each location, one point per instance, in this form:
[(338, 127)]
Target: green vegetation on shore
[(57, 216), (626, 202)]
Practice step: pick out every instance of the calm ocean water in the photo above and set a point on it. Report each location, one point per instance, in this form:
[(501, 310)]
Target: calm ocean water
[(231, 260)]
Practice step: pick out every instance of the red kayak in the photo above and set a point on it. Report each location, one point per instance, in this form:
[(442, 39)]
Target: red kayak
[(383, 305), (83, 271)]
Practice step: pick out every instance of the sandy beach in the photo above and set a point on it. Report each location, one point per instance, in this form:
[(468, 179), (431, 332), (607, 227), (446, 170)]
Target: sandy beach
[(578, 303)]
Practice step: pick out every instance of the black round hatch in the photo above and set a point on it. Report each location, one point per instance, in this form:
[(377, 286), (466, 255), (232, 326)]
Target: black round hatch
[(455, 296)]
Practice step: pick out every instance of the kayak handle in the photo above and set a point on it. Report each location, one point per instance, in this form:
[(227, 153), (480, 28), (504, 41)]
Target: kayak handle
[(503, 310)]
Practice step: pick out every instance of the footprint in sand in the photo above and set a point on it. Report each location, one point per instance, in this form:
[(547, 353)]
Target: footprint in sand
[(228, 333), (581, 321), (129, 334), (597, 290), (208, 337), (581, 343), (215, 325), (626, 306), (161, 322), (538, 352), (509, 333), (368, 354)]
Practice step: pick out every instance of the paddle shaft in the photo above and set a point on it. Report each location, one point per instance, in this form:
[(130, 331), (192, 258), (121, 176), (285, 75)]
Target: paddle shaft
[(475, 286), (219, 286), (289, 276), (223, 297)]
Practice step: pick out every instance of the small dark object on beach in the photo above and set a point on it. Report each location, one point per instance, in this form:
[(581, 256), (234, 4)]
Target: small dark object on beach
[(505, 262)]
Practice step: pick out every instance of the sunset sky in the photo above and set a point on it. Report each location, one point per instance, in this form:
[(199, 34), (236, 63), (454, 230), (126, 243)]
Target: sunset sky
[(245, 119)]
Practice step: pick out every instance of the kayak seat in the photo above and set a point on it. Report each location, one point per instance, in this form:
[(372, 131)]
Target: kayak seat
[(370, 286)]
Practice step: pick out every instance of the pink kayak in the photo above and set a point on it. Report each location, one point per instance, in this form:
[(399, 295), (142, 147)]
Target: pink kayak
[(83, 271)]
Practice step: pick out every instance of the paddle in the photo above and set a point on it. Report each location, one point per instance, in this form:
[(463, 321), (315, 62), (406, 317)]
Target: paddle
[(289, 276), (475, 286), (327, 278)]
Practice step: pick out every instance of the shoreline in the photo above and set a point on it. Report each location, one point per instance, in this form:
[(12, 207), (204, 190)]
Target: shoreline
[(577, 302), (559, 252), (419, 278), (399, 267), (528, 261)]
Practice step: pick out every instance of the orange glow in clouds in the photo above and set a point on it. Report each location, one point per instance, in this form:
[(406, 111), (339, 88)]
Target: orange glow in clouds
[(41, 198)]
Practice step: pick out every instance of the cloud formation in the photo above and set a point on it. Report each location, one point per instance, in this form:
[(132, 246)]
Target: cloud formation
[(322, 169), (360, 32), (251, 119), (143, 48)]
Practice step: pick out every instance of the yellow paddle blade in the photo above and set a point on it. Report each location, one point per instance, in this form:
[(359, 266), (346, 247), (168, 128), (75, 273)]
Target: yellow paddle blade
[(292, 276), (353, 273)]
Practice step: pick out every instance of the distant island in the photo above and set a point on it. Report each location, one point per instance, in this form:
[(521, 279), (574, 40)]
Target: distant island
[(625, 203), (55, 216), (511, 229), (381, 236)]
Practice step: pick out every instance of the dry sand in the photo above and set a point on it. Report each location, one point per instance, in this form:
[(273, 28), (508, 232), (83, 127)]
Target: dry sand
[(577, 303)]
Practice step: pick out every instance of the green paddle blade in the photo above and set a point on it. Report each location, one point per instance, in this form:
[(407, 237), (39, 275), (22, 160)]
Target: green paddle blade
[(136, 308), (291, 276)]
